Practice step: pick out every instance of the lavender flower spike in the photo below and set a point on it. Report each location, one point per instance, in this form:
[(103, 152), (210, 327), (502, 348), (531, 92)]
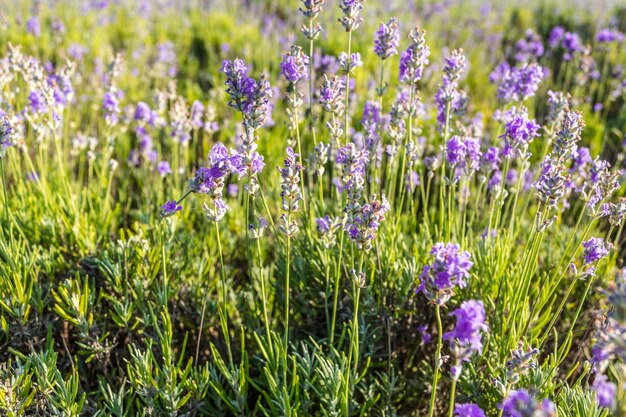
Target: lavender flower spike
[(387, 39)]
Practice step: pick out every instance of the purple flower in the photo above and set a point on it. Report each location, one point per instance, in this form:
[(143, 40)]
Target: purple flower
[(387, 39), (331, 94), (594, 250), (551, 184), (423, 331), (518, 84), (491, 159), (518, 133), (323, 224), (450, 268), (412, 180), (36, 102), (351, 9), (522, 403), (455, 151), (5, 137), (163, 168), (468, 410), (529, 48), (363, 223), (349, 63), (571, 44), (33, 26), (232, 190), (111, 107), (248, 96), (607, 35), (605, 391), (197, 110), (294, 65), (470, 323), (170, 208), (555, 37), (415, 58)]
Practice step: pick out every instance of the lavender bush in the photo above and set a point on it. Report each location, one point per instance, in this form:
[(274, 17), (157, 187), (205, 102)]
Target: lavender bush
[(312, 208)]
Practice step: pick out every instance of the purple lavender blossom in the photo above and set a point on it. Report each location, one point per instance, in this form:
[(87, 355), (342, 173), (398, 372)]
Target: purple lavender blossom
[(349, 63), (449, 269), (423, 331), (594, 250), (605, 391), (111, 107), (387, 39), (36, 102), (571, 44), (197, 110), (294, 65), (518, 133), (608, 35), (164, 169), (556, 36), (364, 225), (414, 58), (5, 137), (491, 159), (170, 208), (455, 151), (518, 84), (468, 410), (529, 48), (351, 9), (521, 403), (465, 338), (33, 26)]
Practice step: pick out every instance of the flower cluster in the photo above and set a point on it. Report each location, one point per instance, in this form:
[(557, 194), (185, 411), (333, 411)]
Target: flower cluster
[(465, 338), (414, 58), (610, 338), (247, 95), (529, 48), (387, 39), (326, 228), (5, 137), (290, 192), (210, 180), (251, 98), (595, 249), (294, 65), (312, 9), (448, 97), (449, 269), (363, 224), (519, 131), (522, 403), (170, 208), (518, 84), (468, 410), (331, 96), (351, 9)]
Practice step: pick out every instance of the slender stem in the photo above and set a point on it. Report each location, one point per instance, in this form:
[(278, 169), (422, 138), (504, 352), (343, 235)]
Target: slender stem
[(452, 398), (287, 283), (224, 303), (336, 292), (263, 295), (433, 394), (4, 186)]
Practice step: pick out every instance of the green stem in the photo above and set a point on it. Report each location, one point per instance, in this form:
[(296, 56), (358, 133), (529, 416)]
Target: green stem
[(452, 398), (433, 394), (287, 283)]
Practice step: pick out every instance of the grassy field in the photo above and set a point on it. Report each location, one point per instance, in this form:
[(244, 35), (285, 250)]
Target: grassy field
[(312, 208)]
